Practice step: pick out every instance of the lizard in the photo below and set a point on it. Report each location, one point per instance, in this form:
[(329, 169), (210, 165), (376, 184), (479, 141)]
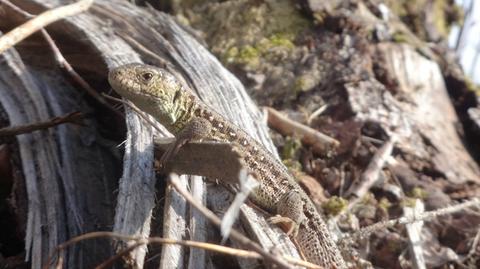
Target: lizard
[(159, 93)]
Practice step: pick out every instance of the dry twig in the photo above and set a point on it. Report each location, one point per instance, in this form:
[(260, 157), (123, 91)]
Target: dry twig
[(142, 241), (371, 174), (140, 113), (61, 61), (475, 244), (74, 117), (468, 11), (23, 31), (320, 142), (317, 113), (367, 231), (109, 263)]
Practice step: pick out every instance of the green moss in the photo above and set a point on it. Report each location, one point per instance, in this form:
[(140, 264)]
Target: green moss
[(412, 13), (368, 199), (291, 148), (439, 9), (282, 40), (384, 203), (261, 31), (408, 202), (446, 13), (399, 37), (334, 205), (266, 48), (300, 84), (319, 17), (471, 86), (283, 17), (457, 15), (230, 55), (418, 193), (293, 165), (305, 82), (246, 55)]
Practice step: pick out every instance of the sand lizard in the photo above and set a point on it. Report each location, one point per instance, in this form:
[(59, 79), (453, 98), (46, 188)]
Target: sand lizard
[(160, 94)]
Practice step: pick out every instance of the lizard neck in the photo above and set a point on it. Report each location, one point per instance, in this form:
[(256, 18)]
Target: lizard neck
[(183, 113)]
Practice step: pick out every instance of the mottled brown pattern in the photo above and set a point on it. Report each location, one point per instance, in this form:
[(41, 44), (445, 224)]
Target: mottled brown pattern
[(158, 93)]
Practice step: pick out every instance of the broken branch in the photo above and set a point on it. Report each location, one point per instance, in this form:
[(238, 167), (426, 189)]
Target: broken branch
[(23, 31), (367, 231), (371, 174), (320, 142), (74, 117)]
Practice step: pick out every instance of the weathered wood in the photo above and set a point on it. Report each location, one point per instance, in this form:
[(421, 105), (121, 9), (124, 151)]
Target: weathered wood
[(70, 172), (98, 32), (424, 114), (198, 224), (60, 188), (175, 227)]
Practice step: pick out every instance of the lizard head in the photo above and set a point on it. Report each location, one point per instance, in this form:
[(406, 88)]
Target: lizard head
[(152, 89)]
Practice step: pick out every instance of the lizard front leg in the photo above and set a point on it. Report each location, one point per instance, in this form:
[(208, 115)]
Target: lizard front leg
[(195, 130)]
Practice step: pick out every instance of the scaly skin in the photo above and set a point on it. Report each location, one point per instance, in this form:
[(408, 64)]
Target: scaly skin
[(158, 93)]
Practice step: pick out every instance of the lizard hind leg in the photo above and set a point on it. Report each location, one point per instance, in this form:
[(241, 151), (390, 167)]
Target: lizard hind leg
[(195, 130), (289, 211)]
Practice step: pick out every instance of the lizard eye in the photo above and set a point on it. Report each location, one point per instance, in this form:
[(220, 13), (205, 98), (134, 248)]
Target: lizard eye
[(147, 76)]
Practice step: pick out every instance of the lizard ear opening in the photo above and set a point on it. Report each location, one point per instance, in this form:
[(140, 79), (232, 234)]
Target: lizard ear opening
[(176, 96)]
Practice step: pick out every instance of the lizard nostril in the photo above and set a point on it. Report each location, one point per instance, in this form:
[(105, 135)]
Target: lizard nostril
[(114, 73)]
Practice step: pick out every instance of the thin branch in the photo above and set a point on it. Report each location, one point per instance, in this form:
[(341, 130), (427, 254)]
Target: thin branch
[(475, 243), (371, 174), (74, 117), (317, 113), (320, 142), (140, 113), (367, 231), (142, 241), (23, 31), (476, 57), (62, 62), (462, 32), (111, 260)]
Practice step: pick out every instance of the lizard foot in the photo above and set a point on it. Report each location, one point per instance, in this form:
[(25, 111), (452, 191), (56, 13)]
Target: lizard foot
[(195, 130), (289, 210), (293, 226)]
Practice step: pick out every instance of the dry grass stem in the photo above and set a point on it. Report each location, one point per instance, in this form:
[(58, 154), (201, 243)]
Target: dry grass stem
[(23, 31)]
